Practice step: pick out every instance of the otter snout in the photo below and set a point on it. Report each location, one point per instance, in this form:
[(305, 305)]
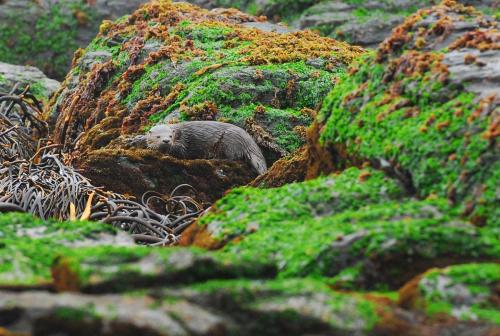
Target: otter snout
[(158, 139)]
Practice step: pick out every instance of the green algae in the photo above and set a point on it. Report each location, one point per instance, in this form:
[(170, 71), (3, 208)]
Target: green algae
[(119, 269), (339, 226), (31, 251), (298, 201)]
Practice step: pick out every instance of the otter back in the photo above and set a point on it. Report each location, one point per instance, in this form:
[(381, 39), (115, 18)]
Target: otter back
[(207, 140)]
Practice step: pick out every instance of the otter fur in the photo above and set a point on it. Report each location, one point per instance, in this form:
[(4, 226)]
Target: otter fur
[(206, 140)]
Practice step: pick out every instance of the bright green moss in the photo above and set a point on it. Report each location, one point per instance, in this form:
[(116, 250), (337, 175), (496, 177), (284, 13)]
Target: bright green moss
[(297, 226), (381, 230), (246, 207), (426, 136), (76, 314)]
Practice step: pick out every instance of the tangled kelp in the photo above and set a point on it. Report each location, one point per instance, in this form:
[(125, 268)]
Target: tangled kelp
[(35, 179), (20, 120)]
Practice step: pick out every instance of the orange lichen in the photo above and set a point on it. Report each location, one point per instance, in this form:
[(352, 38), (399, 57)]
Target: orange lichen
[(203, 111), (411, 34), (64, 277), (270, 47), (478, 39)]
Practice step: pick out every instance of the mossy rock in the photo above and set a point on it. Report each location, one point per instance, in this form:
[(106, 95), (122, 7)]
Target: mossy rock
[(176, 61), (224, 307), (292, 306), (423, 109), (94, 257), (468, 292), (29, 245), (364, 23), (111, 269), (171, 62), (356, 228)]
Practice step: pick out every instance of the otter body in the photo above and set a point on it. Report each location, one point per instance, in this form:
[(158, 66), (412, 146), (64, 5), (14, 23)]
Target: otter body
[(206, 140)]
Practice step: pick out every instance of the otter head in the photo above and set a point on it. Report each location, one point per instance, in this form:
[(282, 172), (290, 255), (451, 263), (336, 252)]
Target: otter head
[(161, 137)]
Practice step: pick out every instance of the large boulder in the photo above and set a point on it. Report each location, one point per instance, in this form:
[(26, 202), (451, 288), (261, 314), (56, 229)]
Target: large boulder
[(170, 62), (46, 33)]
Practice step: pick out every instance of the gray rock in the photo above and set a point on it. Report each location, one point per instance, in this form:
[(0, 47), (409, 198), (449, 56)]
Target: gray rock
[(73, 314), (94, 57), (370, 33), (269, 27), (26, 75), (478, 72)]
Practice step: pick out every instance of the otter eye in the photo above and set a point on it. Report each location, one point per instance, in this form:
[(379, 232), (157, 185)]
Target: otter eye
[(157, 137)]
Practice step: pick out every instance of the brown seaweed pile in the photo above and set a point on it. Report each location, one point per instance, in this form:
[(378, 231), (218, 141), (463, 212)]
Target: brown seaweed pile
[(34, 178)]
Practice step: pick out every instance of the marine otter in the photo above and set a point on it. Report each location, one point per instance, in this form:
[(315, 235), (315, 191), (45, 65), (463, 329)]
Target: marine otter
[(206, 140)]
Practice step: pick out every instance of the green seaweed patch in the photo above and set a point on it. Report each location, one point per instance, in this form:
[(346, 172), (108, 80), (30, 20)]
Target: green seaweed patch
[(245, 207), (120, 269), (364, 240), (344, 223)]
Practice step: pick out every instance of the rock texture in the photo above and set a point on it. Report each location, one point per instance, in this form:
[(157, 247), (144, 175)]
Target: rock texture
[(469, 292), (46, 33), (40, 85)]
